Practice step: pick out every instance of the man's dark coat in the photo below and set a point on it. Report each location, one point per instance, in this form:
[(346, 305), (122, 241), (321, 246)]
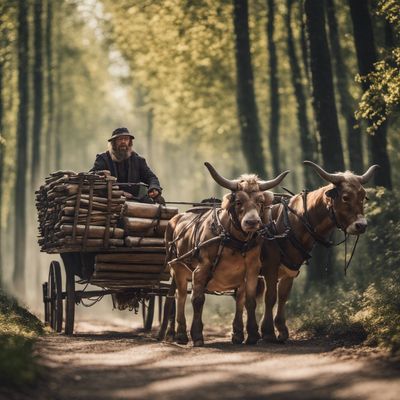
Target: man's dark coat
[(138, 170)]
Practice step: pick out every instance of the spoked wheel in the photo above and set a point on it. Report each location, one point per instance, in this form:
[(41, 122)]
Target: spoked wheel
[(148, 311), (70, 303), (53, 304)]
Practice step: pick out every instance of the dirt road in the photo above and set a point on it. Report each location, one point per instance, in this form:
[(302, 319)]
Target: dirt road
[(112, 362)]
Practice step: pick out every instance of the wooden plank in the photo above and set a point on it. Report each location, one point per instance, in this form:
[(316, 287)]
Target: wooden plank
[(131, 258), (146, 268), (129, 275)]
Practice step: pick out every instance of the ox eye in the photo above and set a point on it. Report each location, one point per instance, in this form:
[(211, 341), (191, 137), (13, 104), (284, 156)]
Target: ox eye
[(238, 203), (345, 197)]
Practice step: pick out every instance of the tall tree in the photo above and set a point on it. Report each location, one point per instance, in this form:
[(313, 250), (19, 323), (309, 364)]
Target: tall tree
[(2, 149), (322, 87), (58, 90), (22, 150), (353, 130), (306, 141), (37, 91), (273, 91), (246, 102), (50, 85), (366, 57)]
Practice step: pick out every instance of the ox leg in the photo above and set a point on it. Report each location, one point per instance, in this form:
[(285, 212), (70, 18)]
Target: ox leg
[(181, 334), (251, 291), (198, 298), (169, 301), (170, 336), (267, 324), (284, 288), (240, 296)]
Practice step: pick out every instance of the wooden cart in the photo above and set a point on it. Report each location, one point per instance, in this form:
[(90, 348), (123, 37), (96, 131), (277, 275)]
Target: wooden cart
[(145, 281)]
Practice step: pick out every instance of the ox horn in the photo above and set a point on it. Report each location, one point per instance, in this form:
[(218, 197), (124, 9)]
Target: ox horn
[(226, 183), (368, 175), (332, 178), (265, 185)]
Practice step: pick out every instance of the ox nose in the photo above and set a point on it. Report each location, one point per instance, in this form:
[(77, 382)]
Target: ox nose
[(361, 227), (252, 223)]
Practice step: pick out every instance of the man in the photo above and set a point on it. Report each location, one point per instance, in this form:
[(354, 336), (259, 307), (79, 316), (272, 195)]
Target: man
[(127, 166)]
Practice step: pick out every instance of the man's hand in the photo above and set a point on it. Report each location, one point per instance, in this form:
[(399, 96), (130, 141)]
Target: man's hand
[(153, 193), (128, 195)]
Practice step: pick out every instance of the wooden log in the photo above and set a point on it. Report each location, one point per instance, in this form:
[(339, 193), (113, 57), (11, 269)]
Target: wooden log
[(144, 210), (132, 258), (94, 231), (82, 211), (138, 241), (129, 267), (90, 242), (144, 226), (129, 275), (96, 205)]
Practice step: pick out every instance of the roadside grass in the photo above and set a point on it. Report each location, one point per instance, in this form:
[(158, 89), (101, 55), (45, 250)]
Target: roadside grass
[(366, 305), (18, 331)]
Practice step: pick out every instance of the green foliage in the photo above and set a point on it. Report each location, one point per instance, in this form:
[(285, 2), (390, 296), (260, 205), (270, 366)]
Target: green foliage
[(382, 99), (380, 313), (18, 330), (367, 303), (329, 312)]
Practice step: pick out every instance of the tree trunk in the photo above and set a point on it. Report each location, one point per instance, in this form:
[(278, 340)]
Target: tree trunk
[(246, 102), (50, 89), (2, 148), (149, 134), (306, 142), (303, 42), (38, 93), (366, 57), (59, 100), (322, 87), (354, 143), (22, 153), (273, 91)]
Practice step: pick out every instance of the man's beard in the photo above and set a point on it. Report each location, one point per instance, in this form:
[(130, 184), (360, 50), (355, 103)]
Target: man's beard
[(121, 152)]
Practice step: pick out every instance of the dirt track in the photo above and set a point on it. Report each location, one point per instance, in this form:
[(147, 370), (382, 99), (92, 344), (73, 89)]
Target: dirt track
[(112, 362)]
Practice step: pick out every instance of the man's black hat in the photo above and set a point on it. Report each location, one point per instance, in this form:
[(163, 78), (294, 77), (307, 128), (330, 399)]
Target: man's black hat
[(120, 132)]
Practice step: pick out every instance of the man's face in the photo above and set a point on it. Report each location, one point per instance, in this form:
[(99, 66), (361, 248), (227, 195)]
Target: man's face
[(122, 147), (122, 142)]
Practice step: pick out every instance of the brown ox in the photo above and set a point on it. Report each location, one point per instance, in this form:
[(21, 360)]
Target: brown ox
[(218, 250), (310, 217)]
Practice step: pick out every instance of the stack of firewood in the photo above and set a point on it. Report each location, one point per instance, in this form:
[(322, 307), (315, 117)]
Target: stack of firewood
[(130, 269), (79, 210), (145, 224)]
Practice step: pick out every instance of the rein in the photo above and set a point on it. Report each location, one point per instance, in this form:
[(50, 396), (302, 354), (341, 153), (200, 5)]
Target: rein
[(304, 219)]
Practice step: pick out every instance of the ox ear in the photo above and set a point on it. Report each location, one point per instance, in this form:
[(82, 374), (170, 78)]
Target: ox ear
[(332, 193), (226, 201), (268, 197)]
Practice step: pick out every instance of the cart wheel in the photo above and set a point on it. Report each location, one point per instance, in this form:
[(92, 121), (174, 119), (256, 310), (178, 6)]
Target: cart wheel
[(46, 303), (70, 303), (148, 312), (54, 296)]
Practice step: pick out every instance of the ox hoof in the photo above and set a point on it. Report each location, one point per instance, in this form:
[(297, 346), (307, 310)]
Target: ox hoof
[(181, 338), (282, 337), (198, 343), (269, 338), (237, 338), (170, 337), (252, 340)]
